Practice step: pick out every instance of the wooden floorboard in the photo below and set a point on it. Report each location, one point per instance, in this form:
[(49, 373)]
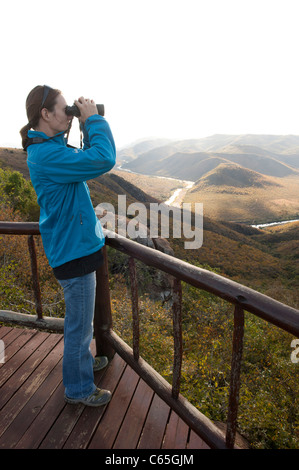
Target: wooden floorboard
[(155, 425), (133, 422), (33, 413)]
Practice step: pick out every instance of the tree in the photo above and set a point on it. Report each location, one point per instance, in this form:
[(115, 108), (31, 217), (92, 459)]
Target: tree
[(19, 194)]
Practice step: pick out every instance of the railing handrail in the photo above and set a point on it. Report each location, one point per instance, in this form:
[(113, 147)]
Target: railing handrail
[(265, 307), (273, 311), (19, 228)]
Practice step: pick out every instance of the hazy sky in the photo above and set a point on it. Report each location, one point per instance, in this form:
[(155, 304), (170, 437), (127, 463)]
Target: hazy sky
[(164, 68)]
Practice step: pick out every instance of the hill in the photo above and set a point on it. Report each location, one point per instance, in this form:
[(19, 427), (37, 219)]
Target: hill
[(126, 154), (233, 193), (236, 176), (275, 144), (269, 155)]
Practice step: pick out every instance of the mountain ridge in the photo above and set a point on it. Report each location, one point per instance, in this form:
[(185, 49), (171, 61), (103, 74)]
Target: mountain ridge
[(270, 155)]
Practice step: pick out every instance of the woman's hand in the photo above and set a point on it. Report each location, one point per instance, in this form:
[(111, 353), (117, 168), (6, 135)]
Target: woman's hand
[(87, 108)]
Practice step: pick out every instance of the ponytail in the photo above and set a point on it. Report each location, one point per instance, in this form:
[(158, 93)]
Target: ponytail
[(24, 135)]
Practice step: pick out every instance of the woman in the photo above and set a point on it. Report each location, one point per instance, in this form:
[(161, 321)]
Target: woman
[(71, 233)]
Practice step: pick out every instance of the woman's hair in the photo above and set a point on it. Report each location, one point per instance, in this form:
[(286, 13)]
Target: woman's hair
[(35, 102)]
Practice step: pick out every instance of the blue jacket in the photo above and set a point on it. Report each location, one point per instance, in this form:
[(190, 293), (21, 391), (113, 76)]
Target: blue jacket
[(68, 223)]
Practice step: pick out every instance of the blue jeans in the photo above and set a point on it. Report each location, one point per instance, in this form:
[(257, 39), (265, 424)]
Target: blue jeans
[(79, 296)]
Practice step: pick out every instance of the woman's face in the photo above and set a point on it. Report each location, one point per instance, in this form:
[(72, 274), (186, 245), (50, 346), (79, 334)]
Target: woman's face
[(59, 120)]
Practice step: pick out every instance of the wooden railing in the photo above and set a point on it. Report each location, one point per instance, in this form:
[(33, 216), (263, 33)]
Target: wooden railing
[(108, 342)]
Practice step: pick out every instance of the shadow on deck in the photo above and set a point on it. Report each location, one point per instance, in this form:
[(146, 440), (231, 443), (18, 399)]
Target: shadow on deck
[(33, 413)]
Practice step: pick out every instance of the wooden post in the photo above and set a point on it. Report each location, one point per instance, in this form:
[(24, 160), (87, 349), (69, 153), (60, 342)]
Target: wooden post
[(235, 376), (102, 314), (177, 336), (135, 307), (35, 279)]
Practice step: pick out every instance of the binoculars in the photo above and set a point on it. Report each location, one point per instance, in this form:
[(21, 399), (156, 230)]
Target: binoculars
[(75, 111)]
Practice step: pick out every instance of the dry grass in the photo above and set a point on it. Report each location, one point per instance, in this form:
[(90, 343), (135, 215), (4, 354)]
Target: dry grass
[(160, 188), (250, 204)]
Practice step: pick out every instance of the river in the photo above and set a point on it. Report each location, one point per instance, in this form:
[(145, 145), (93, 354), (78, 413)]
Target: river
[(177, 197), (275, 223)]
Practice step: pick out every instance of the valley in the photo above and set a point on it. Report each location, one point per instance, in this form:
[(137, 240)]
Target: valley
[(250, 179), (169, 190)]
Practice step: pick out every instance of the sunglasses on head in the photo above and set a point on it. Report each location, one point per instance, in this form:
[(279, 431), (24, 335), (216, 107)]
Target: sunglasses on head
[(45, 95)]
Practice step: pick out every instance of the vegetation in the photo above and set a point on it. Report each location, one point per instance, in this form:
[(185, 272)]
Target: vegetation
[(20, 194), (18, 203), (269, 412)]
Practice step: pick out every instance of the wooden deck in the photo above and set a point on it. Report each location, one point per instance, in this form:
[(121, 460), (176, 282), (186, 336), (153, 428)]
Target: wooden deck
[(33, 413)]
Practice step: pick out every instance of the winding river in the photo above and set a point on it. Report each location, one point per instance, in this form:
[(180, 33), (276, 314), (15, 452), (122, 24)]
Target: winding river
[(178, 196), (275, 223)]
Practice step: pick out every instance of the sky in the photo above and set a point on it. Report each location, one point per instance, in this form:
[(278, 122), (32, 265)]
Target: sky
[(162, 68)]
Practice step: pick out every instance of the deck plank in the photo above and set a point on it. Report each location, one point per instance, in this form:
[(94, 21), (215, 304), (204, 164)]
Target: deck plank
[(14, 366), (9, 334), (155, 424), (5, 331), (32, 381), (176, 433), (34, 415), (12, 344), (43, 422), (196, 442), (133, 423), (23, 371), (23, 420), (106, 433)]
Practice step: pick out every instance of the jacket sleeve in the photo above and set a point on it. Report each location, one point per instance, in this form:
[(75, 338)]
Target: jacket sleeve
[(86, 143), (70, 165)]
